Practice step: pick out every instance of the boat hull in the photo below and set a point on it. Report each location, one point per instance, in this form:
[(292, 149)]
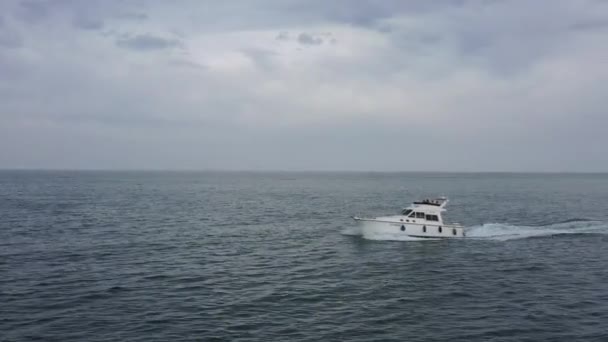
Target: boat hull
[(375, 226)]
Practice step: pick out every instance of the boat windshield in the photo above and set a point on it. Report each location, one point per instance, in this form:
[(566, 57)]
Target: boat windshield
[(406, 212)]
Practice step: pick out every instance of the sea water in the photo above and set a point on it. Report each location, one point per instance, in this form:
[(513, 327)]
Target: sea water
[(243, 256)]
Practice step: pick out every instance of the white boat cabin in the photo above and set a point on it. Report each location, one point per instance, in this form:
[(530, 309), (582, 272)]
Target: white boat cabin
[(426, 211)]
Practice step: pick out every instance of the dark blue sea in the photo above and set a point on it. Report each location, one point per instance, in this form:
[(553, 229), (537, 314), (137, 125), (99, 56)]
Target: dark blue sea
[(243, 256)]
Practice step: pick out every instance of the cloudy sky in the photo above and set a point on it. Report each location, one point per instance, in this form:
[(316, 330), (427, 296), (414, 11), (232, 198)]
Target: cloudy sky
[(393, 85)]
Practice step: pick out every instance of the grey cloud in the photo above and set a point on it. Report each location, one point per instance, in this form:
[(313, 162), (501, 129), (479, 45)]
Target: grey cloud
[(260, 13), (8, 37), (366, 13), (305, 38), (181, 63), (33, 11), (133, 16), (148, 42), (274, 14), (262, 57), (443, 49), (309, 39), (507, 40), (87, 23), (283, 35), (11, 40), (590, 24), (86, 15), (11, 69)]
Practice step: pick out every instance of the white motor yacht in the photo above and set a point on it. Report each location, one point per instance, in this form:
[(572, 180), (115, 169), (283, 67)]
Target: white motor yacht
[(422, 219)]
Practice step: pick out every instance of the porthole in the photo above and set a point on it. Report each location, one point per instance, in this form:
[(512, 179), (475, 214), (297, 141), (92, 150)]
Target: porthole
[(424, 229), (402, 228), (439, 229), (454, 231), (401, 220)]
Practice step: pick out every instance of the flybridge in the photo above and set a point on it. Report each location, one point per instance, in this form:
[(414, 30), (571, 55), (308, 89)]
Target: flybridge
[(439, 202), (429, 208)]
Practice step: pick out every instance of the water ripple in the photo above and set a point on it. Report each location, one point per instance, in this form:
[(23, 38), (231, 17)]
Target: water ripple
[(258, 257)]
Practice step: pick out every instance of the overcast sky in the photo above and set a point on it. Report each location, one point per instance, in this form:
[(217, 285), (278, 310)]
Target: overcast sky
[(400, 85)]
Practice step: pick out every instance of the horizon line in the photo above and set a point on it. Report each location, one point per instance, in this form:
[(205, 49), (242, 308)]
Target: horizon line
[(219, 170)]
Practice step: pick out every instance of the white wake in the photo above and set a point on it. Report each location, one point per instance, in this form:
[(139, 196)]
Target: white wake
[(503, 232)]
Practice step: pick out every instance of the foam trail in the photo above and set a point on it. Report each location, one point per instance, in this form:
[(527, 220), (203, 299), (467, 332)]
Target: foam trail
[(354, 230), (503, 232)]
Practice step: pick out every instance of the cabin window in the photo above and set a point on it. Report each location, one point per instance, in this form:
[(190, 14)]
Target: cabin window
[(453, 231), (439, 229), (406, 212), (432, 218), (424, 229), (402, 228), (420, 215)]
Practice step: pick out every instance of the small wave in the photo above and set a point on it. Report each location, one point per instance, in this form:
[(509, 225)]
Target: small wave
[(503, 232), (576, 220)]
